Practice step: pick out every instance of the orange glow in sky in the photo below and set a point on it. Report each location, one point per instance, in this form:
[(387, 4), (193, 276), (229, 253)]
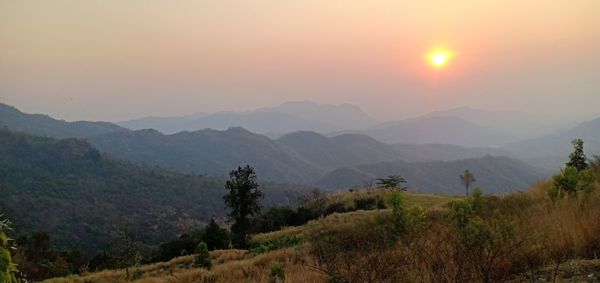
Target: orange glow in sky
[(439, 58)]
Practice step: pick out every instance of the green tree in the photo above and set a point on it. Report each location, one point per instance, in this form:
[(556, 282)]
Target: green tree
[(569, 181), (8, 268), (391, 182), (215, 237), (577, 158), (203, 256), (243, 195), (467, 178)]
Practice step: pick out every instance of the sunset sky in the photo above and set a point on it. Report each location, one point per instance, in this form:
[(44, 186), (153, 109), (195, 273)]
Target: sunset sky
[(115, 60)]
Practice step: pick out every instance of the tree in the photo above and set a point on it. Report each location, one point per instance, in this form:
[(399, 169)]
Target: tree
[(391, 182), (577, 158), (203, 256), (8, 268), (127, 248), (243, 195), (215, 237), (467, 179)]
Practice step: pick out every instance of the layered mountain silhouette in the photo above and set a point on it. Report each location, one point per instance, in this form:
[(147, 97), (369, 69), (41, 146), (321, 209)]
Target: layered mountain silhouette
[(286, 118), (494, 175), (303, 157), (43, 125), (551, 151)]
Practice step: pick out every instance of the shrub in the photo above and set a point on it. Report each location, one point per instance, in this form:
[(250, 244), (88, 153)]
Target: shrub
[(8, 268), (203, 256), (368, 203), (357, 252), (570, 181), (274, 244), (137, 274), (215, 237), (277, 274)]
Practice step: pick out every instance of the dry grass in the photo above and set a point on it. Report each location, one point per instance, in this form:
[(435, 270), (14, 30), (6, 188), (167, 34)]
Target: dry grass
[(551, 239), (228, 266), (428, 201)]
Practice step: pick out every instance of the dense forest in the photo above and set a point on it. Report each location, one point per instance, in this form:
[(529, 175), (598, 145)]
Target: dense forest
[(83, 198)]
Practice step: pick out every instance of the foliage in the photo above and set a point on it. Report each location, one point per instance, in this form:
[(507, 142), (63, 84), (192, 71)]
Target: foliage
[(202, 256), (184, 245), (39, 259), (368, 203), (391, 182), (243, 195), (214, 236), (570, 181), (467, 178), (274, 243), (577, 158), (69, 190), (8, 268), (277, 274)]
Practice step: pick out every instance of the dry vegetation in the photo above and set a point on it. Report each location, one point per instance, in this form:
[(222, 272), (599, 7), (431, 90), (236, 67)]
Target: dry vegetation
[(522, 237), (228, 266)]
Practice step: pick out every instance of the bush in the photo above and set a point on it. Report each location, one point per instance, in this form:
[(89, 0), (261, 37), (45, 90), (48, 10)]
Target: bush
[(137, 274), (570, 181), (8, 268), (368, 203), (203, 256), (274, 244), (277, 274), (357, 252), (215, 237)]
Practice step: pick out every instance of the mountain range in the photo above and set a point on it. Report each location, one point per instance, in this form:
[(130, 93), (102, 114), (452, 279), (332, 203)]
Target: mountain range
[(43, 125), (285, 118), (307, 157), (494, 174), (83, 197), (462, 126)]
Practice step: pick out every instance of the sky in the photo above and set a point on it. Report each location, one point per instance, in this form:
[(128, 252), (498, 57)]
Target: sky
[(115, 60)]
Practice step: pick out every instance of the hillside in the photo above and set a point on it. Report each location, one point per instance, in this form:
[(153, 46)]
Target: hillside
[(82, 198), (331, 153), (43, 125), (494, 174), (208, 152), (304, 157), (551, 150), (445, 130), (529, 238), (520, 125), (444, 152)]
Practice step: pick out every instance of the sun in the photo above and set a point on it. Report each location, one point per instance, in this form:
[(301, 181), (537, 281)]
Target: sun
[(439, 58)]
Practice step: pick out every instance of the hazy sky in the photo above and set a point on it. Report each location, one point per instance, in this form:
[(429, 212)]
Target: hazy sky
[(114, 60)]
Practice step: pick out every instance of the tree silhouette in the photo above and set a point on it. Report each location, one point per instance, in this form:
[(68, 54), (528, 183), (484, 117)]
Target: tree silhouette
[(391, 182), (467, 178), (577, 158), (243, 195)]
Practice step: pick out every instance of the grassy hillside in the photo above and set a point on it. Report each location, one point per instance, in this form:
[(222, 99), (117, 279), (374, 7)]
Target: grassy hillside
[(544, 241)]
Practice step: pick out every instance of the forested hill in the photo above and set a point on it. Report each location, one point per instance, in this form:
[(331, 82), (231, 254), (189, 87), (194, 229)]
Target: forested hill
[(43, 125), (494, 174), (83, 198)]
